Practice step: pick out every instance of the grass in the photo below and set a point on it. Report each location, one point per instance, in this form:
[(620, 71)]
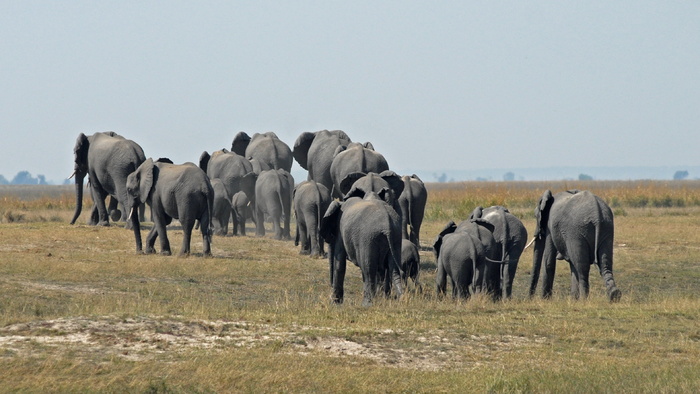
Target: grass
[(80, 311)]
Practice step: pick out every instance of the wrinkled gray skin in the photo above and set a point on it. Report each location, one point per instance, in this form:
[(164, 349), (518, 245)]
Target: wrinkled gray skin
[(461, 252), (355, 158), (410, 264), (311, 200), (242, 211), (266, 148), (576, 226), (511, 237), (232, 169), (172, 191), (273, 199), (412, 202), (368, 232), (108, 159), (314, 152), (358, 184), (222, 207)]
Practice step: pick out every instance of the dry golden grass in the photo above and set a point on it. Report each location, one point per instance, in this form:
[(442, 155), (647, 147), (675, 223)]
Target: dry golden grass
[(80, 311)]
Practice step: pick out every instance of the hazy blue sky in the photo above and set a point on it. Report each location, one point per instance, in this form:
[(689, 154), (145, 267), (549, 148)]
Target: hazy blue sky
[(433, 84)]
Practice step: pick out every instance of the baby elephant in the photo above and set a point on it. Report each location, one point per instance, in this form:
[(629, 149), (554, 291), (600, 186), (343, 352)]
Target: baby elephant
[(180, 192), (410, 264), (311, 200), (242, 210)]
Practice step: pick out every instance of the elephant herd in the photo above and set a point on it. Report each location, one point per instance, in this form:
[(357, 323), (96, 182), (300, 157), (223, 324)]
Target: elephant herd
[(351, 201)]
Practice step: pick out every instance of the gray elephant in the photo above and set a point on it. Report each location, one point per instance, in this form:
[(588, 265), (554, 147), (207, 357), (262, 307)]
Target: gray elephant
[(314, 152), (222, 207), (172, 191), (108, 159), (242, 211), (311, 200), (355, 158), (412, 202), (368, 232), (410, 264), (510, 236), (231, 168), (461, 252), (273, 199), (357, 184), (576, 226), (266, 148)]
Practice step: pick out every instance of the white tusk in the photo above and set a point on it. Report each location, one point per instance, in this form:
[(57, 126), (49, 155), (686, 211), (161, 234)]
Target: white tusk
[(131, 212), (72, 175), (528, 245)]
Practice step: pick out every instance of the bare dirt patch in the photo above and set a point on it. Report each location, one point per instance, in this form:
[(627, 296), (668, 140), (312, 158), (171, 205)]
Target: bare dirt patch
[(145, 338)]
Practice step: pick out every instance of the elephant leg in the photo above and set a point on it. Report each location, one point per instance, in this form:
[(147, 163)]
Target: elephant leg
[(549, 258), (509, 276), (187, 227), (115, 214), (581, 257), (574, 282), (161, 221), (151, 240), (277, 228), (370, 275), (303, 237), (440, 279), (338, 262), (260, 226), (99, 196)]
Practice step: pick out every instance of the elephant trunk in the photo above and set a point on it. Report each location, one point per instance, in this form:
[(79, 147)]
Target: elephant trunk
[(78, 196), (536, 265)]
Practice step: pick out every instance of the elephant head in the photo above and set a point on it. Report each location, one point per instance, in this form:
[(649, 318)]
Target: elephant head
[(139, 184), (499, 224), (358, 184), (80, 169), (542, 214), (306, 139)]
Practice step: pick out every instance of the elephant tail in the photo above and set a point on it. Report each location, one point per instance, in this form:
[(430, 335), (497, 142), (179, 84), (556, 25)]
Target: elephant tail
[(598, 223)]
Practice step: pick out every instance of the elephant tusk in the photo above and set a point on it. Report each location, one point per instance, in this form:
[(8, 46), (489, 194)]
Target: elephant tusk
[(72, 175), (528, 245), (131, 212)]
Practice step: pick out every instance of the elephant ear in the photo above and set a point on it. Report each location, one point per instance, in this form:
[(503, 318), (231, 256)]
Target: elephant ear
[(394, 180), (164, 160), (542, 213), (437, 244), (414, 176), (146, 175), (240, 143), (330, 222), (271, 134), (301, 148), (341, 136), (82, 144), (387, 195), (477, 213), (204, 161), (368, 145), (348, 181)]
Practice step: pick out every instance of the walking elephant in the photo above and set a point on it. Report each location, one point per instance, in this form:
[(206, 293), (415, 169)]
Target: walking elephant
[(368, 232), (222, 207), (510, 236), (235, 171), (410, 264), (353, 159), (266, 148), (461, 252), (576, 226), (311, 200), (172, 191), (108, 159), (314, 152), (273, 199), (242, 211), (412, 202)]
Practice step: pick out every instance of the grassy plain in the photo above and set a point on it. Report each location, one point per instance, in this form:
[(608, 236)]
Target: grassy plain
[(81, 311)]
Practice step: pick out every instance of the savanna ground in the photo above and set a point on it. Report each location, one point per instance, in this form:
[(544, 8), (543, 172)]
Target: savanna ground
[(81, 311)]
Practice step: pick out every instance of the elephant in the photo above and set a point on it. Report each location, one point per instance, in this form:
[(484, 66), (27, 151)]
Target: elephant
[(222, 207), (273, 198), (410, 263), (576, 226), (231, 168), (311, 200), (242, 210), (355, 158), (368, 232), (314, 152), (511, 236), (181, 192), (266, 148), (412, 202), (461, 252), (108, 159)]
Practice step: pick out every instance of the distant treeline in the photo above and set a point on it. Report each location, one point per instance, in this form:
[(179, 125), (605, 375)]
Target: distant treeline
[(24, 178)]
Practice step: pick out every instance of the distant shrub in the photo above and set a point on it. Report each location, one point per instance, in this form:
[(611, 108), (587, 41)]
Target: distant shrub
[(12, 217)]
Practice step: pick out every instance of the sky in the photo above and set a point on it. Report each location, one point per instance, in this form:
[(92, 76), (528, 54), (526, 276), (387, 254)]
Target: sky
[(433, 85)]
